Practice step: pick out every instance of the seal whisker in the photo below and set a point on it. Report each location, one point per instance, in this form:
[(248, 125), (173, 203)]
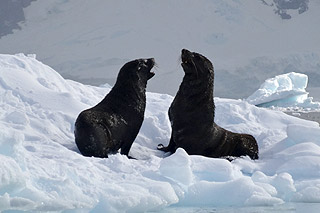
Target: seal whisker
[(179, 60), (196, 69), (156, 65)]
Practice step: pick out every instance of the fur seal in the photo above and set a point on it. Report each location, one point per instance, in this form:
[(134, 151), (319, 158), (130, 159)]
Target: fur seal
[(192, 116), (114, 123)]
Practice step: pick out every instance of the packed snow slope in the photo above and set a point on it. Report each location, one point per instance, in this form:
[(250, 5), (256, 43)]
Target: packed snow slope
[(41, 168), (247, 40)]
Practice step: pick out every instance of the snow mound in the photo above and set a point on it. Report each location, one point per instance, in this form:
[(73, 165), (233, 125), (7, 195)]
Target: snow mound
[(42, 170), (287, 90)]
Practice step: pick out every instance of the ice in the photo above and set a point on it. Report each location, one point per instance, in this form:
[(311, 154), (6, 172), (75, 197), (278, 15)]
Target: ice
[(286, 90), (177, 167), (237, 192), (312, 132), (42, 170), (11, 176)]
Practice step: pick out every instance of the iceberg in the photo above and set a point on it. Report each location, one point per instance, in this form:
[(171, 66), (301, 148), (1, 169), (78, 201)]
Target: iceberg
[(286, 90)]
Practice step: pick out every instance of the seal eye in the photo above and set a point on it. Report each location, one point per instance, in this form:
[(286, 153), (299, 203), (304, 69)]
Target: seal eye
[(196, 56), (142, 64)]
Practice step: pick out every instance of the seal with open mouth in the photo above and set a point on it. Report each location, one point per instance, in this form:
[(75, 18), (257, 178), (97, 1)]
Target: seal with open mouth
[(114, 123), (192, 116)]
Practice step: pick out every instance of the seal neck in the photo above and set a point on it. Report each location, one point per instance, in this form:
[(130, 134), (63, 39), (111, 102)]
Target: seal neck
[(127, 96), (199, 92), (131, 88)]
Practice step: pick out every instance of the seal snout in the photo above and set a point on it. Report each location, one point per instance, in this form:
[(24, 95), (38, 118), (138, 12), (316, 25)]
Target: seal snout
[(186, 56), (151, 62), (148, 62), (185, 51)]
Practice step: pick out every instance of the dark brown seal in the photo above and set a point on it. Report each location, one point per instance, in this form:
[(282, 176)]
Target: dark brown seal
[(192, 116), (114, 123)]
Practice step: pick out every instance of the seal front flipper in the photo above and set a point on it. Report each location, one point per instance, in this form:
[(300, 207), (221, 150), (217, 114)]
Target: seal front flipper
[(170, 148), (125, 148), (161, 147)]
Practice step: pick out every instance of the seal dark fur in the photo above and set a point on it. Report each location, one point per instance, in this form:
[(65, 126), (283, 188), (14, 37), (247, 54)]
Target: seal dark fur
[(192, 116), (114, 123)]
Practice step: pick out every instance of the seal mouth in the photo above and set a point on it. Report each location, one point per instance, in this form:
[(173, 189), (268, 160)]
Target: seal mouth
[(187, 63), (150, 63)]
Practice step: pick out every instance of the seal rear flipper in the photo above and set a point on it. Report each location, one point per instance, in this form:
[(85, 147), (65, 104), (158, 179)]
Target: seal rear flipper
[(252, 147), (92, 139), (246, 145)]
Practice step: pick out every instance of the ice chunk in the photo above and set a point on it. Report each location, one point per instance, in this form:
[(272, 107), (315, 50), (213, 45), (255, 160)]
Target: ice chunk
[(284, 184), (212, 169), (287, 90), (11, 176), (235, 192), (177, 167)]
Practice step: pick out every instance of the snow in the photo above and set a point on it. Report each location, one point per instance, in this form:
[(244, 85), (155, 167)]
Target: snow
[(42, 170), (286, 90)]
